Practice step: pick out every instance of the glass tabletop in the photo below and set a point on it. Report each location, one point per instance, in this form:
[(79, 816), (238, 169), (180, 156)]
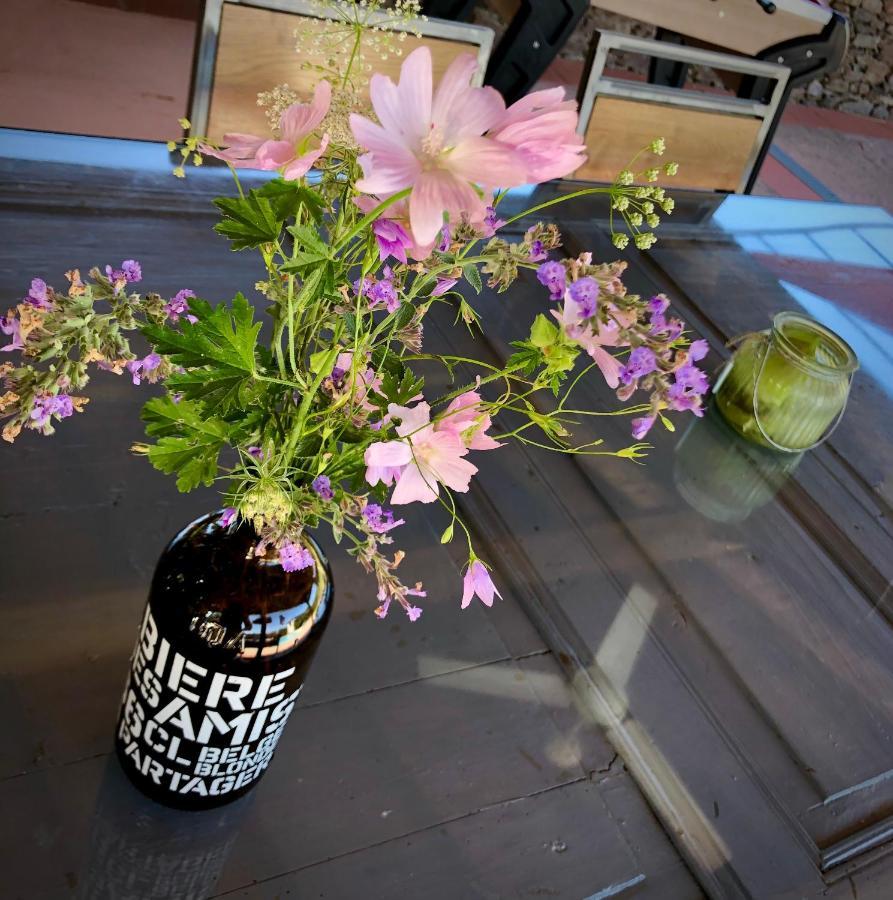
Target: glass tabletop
[(723, 610)]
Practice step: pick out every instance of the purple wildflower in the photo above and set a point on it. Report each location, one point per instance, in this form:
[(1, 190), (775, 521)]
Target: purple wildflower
[(446, 238), (692, 378), (584, 291), (322, 487), (294, 559), (443, 285), (384, 292), (642, 361), (178, 306), (393, 239), (228, 517), (139, 368), (413, 612), (44, 407), (698, 350), (491, 223), (38, 295), (553, 276), (537, 252), (132, 270), (255, 452), (658, 305), (642, 426), (362, 286), (380, 520), (10, 325), (117, 277)]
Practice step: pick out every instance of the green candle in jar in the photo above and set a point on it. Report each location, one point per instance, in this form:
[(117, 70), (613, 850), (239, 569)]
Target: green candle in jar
[(786, 387)]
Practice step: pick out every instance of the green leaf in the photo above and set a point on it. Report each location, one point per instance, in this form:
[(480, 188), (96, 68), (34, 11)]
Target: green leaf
[(398, 390), (310, 248), (248, 221), (526, 360), (317, 359), (189, 442), (288, 198), (543, 333), (473, 277), (193, 464), (217, 351)]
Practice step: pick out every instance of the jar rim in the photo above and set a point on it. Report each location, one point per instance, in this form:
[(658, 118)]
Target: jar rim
[(847, 362)]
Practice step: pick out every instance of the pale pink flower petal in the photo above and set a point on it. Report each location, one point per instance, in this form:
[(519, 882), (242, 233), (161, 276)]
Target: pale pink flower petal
[(414, 487), (300, 119), (489, 165), (301, 165), (477, 580), (464, 418)]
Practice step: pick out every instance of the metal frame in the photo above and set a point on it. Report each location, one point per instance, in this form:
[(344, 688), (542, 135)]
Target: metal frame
[(209, 34), (598, 84)]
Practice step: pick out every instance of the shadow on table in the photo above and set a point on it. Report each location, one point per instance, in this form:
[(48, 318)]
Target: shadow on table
[(141, 850)]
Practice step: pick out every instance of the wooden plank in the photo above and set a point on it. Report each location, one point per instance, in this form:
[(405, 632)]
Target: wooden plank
[(737, 25), (712, 149), (348, 774), (256, 52), (503, 851)]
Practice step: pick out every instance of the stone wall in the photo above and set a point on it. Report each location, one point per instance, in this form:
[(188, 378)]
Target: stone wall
[(863, 84)]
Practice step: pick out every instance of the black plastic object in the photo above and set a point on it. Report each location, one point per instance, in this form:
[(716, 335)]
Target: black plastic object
[(225, 643), (532, 40)]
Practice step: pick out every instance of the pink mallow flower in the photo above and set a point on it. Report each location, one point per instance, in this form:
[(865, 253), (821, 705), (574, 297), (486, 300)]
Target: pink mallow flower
[(542, 129), (292, 154), (465, 418), (435, 144), (477, 580), (425, 458)]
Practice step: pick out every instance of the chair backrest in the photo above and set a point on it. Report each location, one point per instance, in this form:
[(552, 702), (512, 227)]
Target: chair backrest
[(247, 48), (717, 139)]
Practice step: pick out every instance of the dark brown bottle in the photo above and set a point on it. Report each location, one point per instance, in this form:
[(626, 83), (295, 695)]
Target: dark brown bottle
[(224, 646)]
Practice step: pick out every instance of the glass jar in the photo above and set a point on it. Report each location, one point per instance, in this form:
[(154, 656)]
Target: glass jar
[(787, 388), (226, 640)]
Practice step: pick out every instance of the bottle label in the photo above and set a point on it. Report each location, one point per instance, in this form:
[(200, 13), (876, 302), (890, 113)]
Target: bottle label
[(194, 731)]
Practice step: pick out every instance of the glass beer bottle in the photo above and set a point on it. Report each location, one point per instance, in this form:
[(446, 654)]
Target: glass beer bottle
[(225, 643)]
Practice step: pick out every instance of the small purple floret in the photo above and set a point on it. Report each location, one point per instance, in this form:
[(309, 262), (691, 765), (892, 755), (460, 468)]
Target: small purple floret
[(322, 487), (293, 559), (553, 276)]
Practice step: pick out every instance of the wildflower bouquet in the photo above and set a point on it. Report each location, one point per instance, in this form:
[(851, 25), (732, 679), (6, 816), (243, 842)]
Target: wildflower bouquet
[(368, 223)]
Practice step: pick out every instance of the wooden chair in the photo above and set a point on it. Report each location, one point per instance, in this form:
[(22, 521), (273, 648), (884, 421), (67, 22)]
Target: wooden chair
[(718, 140), (246, 48)]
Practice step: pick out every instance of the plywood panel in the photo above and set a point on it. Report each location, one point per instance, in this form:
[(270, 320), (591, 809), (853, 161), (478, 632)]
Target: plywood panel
[(738, 25), (256, 51), (712, 149)]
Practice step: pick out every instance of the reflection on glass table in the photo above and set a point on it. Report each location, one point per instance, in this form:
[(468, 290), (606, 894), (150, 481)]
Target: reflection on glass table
[(723, 476)]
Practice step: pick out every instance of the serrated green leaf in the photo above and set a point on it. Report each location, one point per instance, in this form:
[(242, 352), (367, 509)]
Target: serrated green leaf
[(288, 198), (248, 221), (310, 248), (222, 337), (473, 277)]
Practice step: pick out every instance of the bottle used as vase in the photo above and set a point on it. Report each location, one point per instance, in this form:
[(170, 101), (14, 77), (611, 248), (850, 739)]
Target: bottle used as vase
[(225, 643)]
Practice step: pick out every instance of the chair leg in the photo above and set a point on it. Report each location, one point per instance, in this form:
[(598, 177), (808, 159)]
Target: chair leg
[(667, 72), (530, 44)]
